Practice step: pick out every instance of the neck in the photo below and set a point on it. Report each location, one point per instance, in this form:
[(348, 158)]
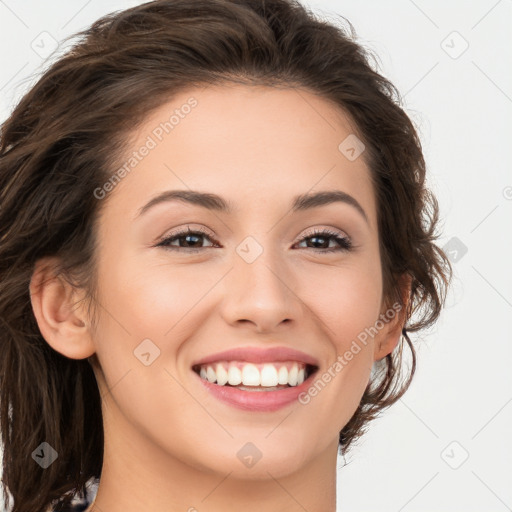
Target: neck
[(132, 465)]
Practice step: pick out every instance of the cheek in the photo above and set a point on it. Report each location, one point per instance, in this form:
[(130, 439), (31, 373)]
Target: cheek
[(160, 297), (148, 299), (347, 302), (346, 297), (347, 308), (143, 302)]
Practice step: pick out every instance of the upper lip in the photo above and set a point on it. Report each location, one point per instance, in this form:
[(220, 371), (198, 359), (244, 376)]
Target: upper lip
[(259, 355)]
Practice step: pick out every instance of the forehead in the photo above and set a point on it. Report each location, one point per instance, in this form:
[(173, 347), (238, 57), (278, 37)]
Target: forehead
[(254, 145)]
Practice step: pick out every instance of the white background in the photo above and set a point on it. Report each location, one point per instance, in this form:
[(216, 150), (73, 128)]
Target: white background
[(459, 404)]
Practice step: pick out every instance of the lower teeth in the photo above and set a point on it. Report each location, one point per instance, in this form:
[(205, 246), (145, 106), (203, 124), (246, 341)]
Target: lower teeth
[(256, 388), (260, 388)]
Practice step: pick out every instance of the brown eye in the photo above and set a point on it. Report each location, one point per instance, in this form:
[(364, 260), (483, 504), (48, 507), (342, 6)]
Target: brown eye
[(193, 238), (325, 236)]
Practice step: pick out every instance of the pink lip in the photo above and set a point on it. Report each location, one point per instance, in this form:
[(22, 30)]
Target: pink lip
[(259, 355), (262, 401)]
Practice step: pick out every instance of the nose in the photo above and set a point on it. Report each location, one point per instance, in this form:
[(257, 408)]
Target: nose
[(261, 294)]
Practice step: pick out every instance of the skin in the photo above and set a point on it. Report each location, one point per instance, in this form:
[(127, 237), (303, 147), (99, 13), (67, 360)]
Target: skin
[(169, 444)]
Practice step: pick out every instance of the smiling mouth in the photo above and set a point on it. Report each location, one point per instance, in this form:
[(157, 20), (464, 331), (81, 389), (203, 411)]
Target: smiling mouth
[(256, 377)]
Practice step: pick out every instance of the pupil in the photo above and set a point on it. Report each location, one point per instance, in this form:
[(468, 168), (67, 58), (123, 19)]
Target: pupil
[(316, 238), (187, 237)]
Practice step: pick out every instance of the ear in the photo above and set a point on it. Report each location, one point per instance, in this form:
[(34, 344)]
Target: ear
[(393, 318), (54, 302)]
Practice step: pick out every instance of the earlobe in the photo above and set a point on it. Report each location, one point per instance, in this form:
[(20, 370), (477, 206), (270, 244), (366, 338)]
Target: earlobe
[(62, 324), (386, 343), (389, 337)]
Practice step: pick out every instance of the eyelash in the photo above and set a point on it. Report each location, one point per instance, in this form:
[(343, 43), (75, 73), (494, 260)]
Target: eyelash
[(344, 242)]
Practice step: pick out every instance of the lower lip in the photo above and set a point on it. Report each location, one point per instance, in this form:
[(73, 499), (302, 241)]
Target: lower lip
[(264, 401)]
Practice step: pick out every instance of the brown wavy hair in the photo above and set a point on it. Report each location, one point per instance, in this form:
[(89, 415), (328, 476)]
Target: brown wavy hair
[(68, 134)]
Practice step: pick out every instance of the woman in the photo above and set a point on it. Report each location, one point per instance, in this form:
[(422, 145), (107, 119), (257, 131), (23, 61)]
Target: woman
[(215, 239)]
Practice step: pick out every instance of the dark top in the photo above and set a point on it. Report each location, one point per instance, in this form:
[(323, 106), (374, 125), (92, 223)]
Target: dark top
[(78, 507), (81, 504)]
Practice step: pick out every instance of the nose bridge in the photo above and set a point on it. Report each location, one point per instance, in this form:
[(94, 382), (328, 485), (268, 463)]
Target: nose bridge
[(258, 286)]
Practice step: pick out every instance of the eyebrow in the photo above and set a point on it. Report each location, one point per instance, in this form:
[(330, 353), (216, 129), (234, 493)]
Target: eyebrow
[(214, 202)]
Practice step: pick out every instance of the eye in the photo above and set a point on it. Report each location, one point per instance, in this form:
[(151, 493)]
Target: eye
[(194, 237), (190, 236), (344, 243)]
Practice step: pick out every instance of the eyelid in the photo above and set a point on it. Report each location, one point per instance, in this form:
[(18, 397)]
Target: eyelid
[(343, 240), (308, 233), (181, 231), (317, 230)]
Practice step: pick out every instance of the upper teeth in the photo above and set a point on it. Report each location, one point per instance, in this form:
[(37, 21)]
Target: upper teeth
[(249, 374)]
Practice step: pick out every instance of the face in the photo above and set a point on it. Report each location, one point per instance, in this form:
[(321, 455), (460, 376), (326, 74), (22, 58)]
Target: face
[(256, 276)]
